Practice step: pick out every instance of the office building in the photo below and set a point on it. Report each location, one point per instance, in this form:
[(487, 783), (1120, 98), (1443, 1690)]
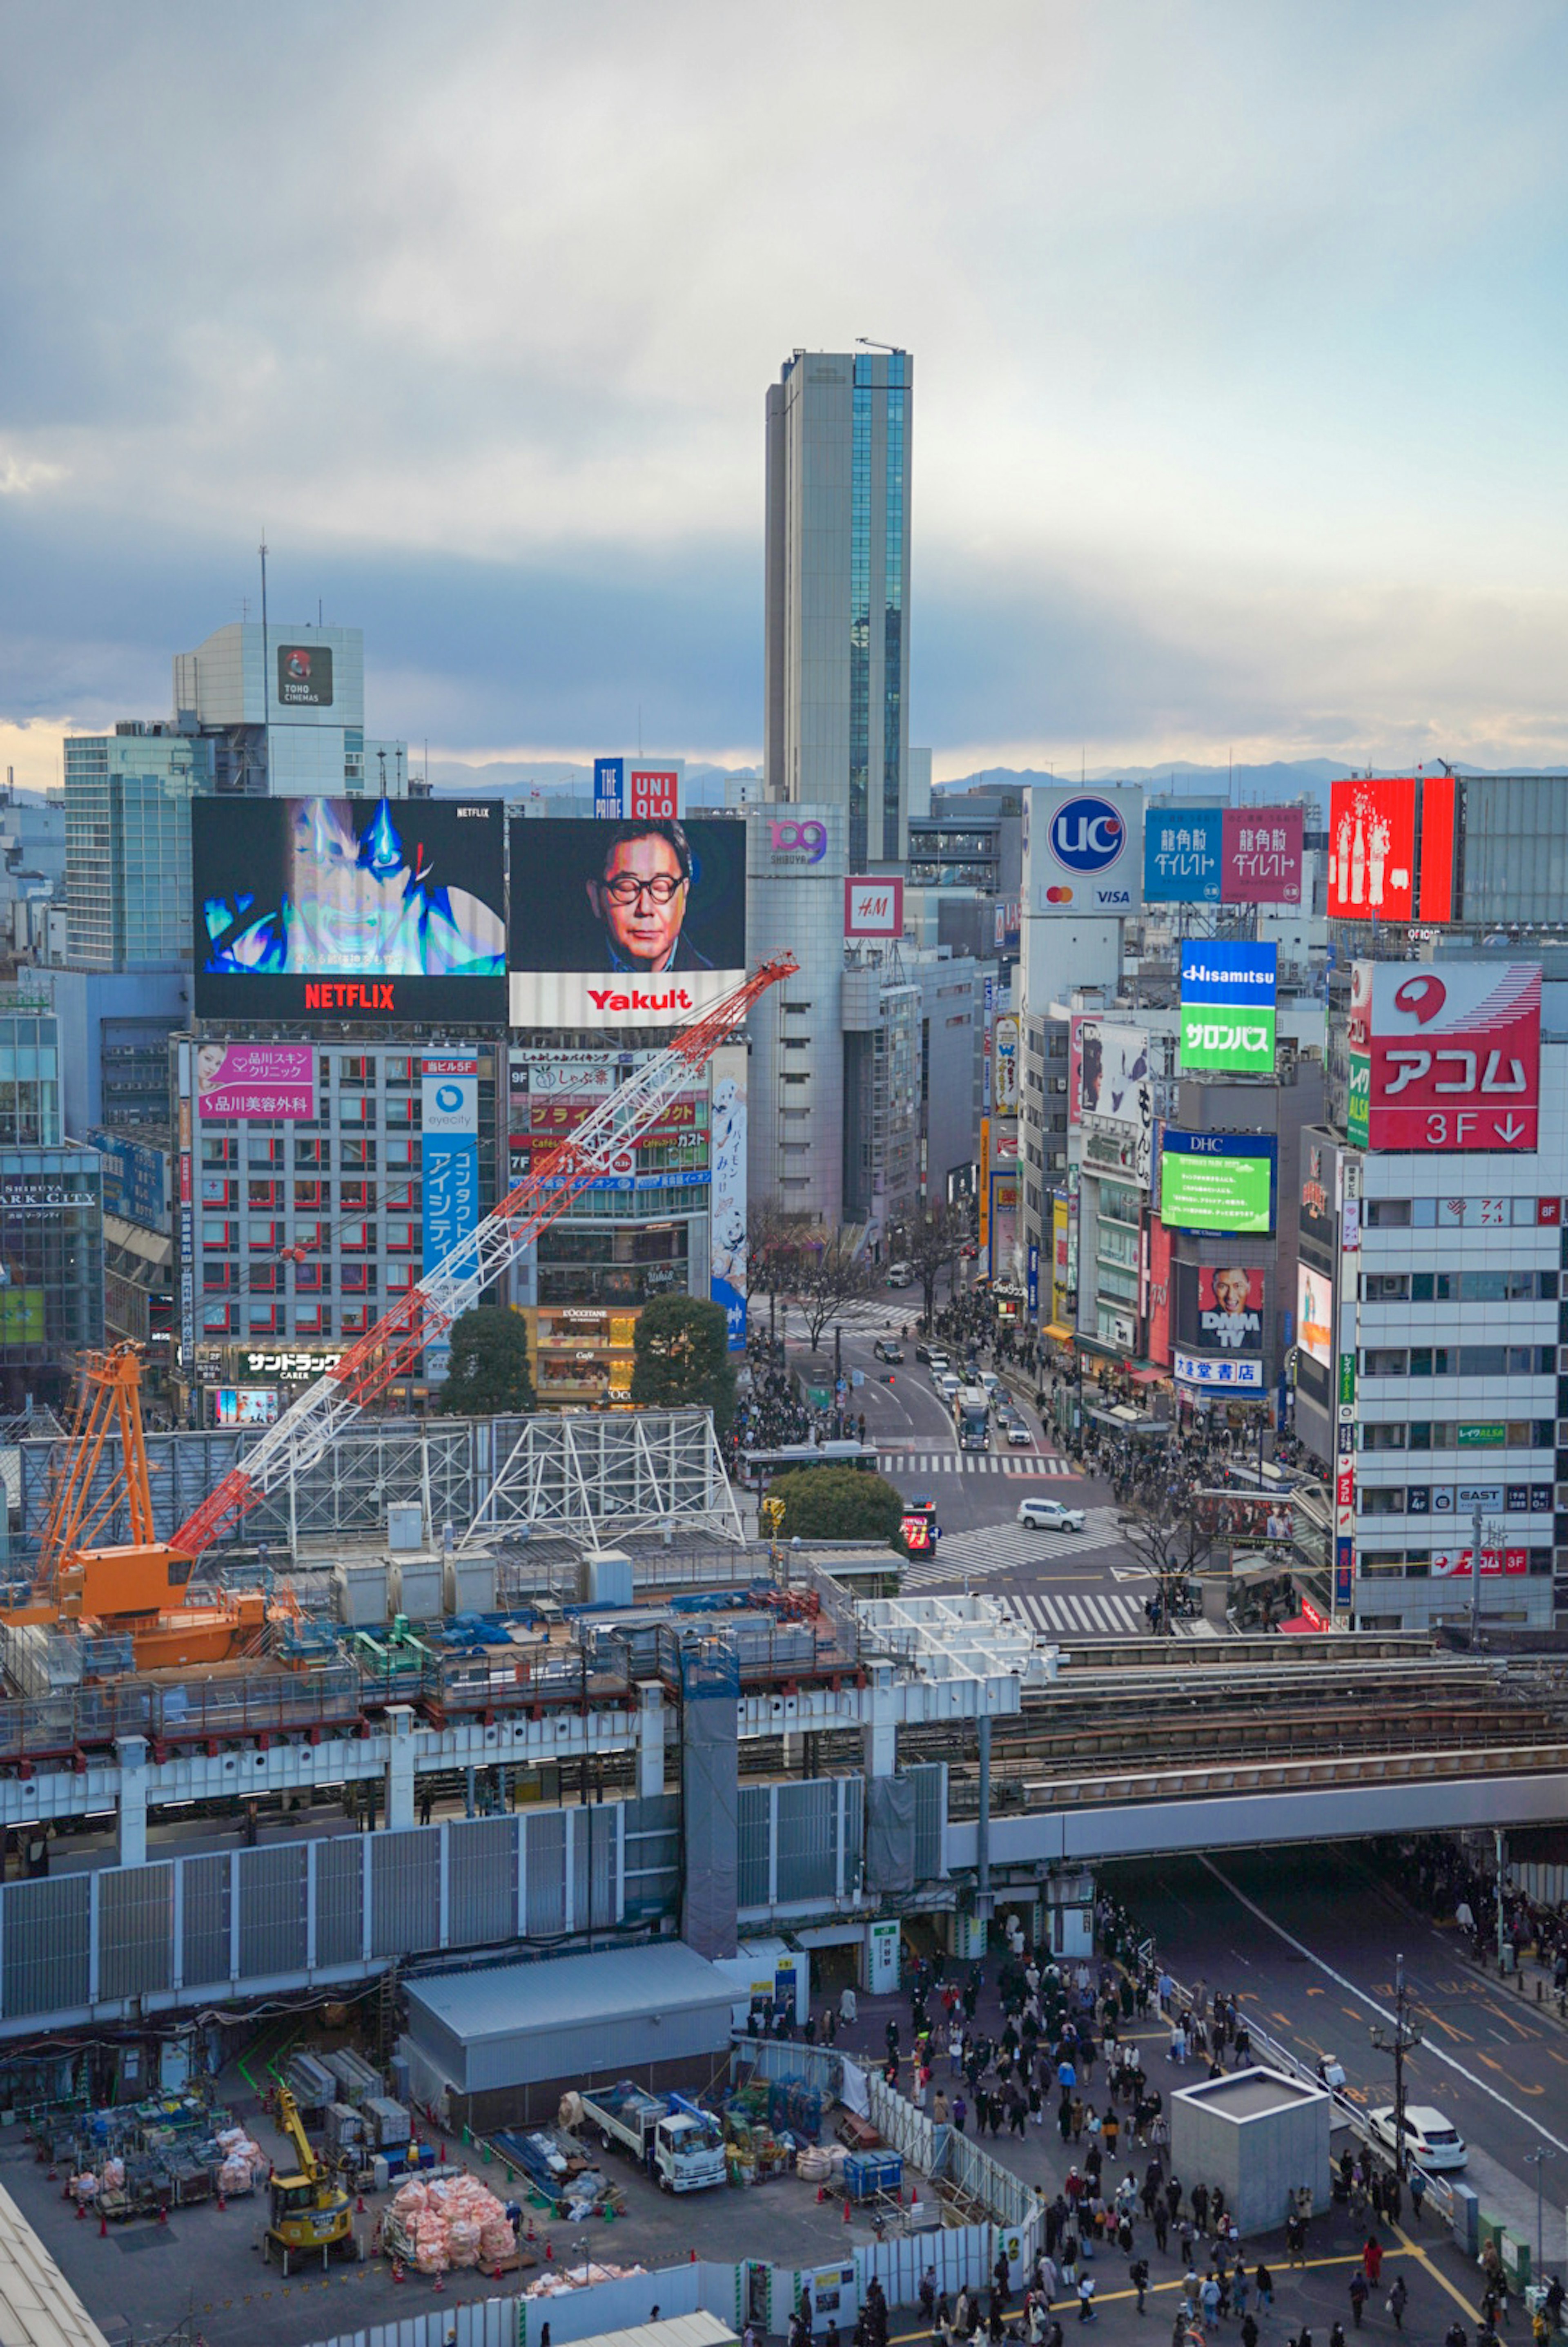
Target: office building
[(835, 723), (306, 1229), (1429, 1286), (51, 1216), (284, 711)]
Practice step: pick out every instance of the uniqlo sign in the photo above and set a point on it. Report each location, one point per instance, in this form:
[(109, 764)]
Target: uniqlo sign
[(653, 793), (874, 909), (1455, 1053)]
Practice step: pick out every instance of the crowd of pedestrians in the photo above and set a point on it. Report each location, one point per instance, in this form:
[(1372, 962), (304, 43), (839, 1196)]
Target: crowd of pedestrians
[(1090, 2050), (1436, 1875)]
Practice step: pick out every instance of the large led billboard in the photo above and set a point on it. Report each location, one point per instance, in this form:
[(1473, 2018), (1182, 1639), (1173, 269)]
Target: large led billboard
[(633, 923), (1372, 848), (348, 908), (1450, 1051), (1217, 1181), (1315, 1314)]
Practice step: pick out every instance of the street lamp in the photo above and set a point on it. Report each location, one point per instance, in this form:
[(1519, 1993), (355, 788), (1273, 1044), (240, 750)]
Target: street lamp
[(1405, 2036), (1537, 2159)]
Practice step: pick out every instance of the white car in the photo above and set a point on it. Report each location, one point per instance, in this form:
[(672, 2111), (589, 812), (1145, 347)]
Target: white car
[(1050, 1516), (991, 1381), (1431, 2140), (1018, 1434), (950, 1383)]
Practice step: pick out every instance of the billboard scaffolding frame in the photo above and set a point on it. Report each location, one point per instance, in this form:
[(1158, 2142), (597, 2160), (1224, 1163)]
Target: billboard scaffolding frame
[(595, 1477)]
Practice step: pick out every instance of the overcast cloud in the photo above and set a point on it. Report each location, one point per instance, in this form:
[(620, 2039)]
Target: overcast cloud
[(1237, 334)]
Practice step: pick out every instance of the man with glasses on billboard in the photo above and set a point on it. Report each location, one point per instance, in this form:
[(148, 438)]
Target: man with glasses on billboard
[(640, 898)]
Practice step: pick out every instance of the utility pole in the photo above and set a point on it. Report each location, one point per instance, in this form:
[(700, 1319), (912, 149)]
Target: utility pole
[(1405, 2036)]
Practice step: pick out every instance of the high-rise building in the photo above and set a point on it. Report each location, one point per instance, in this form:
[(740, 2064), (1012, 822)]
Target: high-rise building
[(838, 591)]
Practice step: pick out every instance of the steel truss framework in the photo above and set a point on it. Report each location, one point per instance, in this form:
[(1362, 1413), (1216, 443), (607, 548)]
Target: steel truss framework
[(586, 1477), (595, 1479)]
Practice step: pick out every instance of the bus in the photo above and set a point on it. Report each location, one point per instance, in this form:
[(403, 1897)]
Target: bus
[(971, 1416)]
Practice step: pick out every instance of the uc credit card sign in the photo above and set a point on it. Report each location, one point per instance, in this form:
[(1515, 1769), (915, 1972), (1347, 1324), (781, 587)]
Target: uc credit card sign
[(1084, 851), (449, 1105)]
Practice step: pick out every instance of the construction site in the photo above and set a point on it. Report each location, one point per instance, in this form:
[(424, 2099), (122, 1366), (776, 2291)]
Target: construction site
[(416, 1833)]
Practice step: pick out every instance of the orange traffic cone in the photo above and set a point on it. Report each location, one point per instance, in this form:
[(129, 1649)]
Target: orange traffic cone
[(846, 2212)]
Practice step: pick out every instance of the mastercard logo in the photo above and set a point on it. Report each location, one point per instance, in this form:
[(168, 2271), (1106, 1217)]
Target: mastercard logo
[(1058, 896)]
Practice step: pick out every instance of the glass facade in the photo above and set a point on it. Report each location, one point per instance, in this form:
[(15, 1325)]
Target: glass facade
[(51, 1267), (127, 846), (893, 611), (860, 617), (29, 1077)]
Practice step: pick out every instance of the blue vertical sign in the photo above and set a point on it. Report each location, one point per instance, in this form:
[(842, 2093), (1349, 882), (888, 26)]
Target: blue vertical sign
[(1033, 1280), (610, 788), (449, 1109), (1182, 856)]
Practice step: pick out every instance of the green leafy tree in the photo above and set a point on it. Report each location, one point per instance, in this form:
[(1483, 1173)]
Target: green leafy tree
[(836, 1503), (682, 1357), (490, 1371)]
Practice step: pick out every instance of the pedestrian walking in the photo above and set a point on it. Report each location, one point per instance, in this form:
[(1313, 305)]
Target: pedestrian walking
[(1372, 2259), (1139, 2275), (1359, 2293), (1086, 2300), (1398, 2299), (1263, 2283)]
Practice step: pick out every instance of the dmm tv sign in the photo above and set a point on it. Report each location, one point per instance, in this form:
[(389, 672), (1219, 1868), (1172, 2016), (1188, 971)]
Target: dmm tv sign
[(874, 909)]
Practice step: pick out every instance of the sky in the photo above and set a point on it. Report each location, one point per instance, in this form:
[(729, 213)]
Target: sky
[(1238, 340)]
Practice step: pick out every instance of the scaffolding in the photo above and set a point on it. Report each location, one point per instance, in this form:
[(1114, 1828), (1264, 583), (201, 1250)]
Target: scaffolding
[(597, 1479)]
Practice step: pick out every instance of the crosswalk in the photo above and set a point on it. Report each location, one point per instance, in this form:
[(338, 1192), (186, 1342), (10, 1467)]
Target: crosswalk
[(1009, 1548), (1076, 1614), (1041, 1464)]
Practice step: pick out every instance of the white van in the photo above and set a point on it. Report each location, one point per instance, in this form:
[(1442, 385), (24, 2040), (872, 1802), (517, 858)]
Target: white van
[(901, 1274)]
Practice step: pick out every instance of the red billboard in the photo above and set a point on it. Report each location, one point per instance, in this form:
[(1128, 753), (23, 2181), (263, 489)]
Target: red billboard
[(1158, 1308), (874, 907), (1372, 848), (1260, 856), (654, 795), (1455, 1054)]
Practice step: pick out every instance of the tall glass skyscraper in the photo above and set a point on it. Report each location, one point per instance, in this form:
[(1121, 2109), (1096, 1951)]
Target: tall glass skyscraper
[(838, 564)]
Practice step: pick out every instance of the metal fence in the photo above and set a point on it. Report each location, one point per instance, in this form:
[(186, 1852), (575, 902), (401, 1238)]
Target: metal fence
[(754, 2290), (333, 1908)]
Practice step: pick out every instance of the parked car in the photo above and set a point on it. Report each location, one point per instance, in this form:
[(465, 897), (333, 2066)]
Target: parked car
[(1018, 1432), (1431, 2140), (887, 1348), (1050, 1516)]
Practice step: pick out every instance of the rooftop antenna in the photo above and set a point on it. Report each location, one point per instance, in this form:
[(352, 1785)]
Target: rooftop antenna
[(266, 689), (868, 342)]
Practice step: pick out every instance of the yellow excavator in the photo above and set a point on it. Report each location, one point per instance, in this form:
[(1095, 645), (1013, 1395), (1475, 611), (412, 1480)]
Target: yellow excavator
[(310, 2214)]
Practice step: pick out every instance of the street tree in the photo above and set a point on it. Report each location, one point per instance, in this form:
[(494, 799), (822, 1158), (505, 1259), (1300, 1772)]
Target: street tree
[(490, 1370), (772, 1249), (827, 1274), (836, 1503), (1164, 1531), (681, 1357), (934, 1242)]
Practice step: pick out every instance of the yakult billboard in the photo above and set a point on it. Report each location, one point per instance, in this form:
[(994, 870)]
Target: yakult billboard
[(1455, 1053), (640, 922)]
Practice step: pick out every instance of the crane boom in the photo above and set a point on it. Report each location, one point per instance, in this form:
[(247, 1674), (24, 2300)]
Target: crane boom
[(312, 1424)]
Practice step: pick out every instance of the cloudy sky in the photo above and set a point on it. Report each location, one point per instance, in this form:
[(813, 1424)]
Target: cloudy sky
[(1239, 339)]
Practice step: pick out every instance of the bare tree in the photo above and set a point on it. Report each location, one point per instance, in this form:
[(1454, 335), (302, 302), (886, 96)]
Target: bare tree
[(1164, 1532), (934, 1242), (827, 1274), (772, 1248)]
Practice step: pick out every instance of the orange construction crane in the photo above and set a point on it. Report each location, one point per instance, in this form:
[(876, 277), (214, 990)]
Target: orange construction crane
[(137, 1585)]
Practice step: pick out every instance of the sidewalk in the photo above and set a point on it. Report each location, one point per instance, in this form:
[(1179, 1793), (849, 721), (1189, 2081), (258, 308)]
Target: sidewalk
[(1442, 2285)]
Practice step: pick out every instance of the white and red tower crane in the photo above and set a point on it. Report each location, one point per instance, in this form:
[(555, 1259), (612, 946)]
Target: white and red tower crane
[(391, 1348)]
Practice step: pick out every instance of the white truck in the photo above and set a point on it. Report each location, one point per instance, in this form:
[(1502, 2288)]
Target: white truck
[(676, 2142)]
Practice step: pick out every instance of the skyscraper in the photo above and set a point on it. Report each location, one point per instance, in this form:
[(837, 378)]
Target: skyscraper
[(837, 567)]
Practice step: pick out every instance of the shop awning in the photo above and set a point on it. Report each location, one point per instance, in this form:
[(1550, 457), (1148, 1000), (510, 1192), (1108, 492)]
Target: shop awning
[(1058, 1334), (1149, 1377)]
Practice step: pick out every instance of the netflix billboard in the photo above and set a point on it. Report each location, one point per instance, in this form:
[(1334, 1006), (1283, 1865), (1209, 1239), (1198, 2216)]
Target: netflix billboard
[(1455, 1053)]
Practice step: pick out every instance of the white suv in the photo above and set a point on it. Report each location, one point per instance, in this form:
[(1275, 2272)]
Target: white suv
[(1050, 1516)]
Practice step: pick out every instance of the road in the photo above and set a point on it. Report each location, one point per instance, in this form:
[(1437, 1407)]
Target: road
[(1060, 1585), (1308, 1940)]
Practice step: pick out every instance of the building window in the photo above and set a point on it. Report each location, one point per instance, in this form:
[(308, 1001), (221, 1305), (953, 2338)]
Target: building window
[(1386, 1287), (1391, 1361), (358, 1156), (1388, 1214), (1384, 1437), (312, 1320), (1383, 1504)]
